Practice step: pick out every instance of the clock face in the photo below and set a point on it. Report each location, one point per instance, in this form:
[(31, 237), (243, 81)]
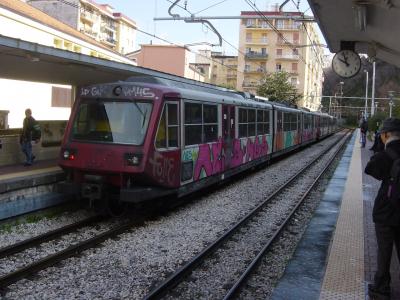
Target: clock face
[(346, 63)]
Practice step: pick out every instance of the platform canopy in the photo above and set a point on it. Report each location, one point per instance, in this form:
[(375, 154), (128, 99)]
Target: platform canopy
[(22, 60), (373, 26)]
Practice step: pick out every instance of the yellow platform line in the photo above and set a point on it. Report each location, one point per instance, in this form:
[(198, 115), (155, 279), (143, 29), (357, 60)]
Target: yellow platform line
[(29, 173), (344, 276)]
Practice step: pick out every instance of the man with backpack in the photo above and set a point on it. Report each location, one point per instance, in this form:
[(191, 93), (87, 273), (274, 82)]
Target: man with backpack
[(29, 133), (385, 166)]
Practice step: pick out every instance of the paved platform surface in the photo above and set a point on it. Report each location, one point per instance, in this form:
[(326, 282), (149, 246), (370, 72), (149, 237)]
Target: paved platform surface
[(336, 258)]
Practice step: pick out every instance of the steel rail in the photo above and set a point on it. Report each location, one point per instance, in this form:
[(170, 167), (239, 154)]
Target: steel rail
[(179, 274), (51, 235), (50, 260), (251, 267)]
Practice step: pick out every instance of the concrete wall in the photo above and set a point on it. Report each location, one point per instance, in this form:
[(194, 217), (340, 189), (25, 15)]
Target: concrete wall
[(47, 148), (66, 13)]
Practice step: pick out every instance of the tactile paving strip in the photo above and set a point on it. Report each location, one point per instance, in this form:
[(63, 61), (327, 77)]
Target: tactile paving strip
[(344, 276)]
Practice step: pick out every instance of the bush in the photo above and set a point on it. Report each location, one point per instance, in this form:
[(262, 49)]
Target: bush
[(375, 121)]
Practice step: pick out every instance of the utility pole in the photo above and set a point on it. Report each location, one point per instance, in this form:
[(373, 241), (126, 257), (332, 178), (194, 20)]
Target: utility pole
[(373, 90), (366, 96)]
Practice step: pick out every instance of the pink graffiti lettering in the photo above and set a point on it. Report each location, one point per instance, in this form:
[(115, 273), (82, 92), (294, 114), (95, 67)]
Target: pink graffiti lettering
[(162, 168), (211, 161)]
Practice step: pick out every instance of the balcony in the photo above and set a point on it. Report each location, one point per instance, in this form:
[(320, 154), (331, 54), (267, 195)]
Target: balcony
[(256, 55), (88, 32), (109, 41), (258, 70), (231, 76), (256, 26), (288, 27), (287, 42), (250, 84), (108, 26), (287, 57), (257, 41), (88, 16)]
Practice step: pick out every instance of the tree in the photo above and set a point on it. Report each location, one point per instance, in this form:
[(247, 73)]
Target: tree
[(276, 87)]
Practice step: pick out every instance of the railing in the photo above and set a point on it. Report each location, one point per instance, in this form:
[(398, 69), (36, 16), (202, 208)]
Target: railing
[(287, 56), (87, 15), (257, 41), (88, 32), (256, 55), (250, 84), (108, 26), (288, 27), (258, 70), (288, 42)]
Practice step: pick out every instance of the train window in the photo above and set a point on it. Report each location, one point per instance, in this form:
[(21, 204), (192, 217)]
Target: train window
[(286, 121), (168, 128), (242, 122), (262, 122), (161, 138), (210, 113), (293, 121), (252, 122), (193, 113), (201, 123), (112, 122)]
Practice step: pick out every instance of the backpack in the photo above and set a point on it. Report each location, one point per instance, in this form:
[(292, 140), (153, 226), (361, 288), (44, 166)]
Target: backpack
[(36, 131), (394, 183)]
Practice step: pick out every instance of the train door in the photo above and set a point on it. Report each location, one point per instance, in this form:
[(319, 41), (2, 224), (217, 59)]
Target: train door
[(279, 130), (228, 132)]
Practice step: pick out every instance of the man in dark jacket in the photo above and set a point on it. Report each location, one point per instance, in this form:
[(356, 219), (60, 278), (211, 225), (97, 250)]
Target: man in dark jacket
[(26, 137), (385, 216)]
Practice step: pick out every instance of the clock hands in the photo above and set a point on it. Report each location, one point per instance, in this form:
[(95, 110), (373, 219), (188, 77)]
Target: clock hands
[(344, 61)]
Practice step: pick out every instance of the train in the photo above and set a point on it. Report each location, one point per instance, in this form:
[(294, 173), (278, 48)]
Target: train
[(146, 137)]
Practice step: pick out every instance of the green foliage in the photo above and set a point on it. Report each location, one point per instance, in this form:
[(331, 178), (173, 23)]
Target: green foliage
[(375, 121), (276, 87)]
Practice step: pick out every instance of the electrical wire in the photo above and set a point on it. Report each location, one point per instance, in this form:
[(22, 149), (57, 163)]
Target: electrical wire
[(210, 7)]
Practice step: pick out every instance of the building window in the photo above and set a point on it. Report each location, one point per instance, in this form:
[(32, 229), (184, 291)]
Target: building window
[(61, 97), (296, 38), (247, 122), (293, 80), (201, 123), (294, 67), (278, 67), (280, 24), (264, 38), (247, 68), (295, 51), (248, 50), (249, 37), (250, 22), (168, 129), (278, 52)]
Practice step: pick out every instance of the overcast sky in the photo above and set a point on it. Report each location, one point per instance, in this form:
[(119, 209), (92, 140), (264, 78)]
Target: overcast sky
[(179, 32)]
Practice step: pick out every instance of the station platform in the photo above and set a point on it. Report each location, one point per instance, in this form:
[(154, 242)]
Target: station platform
[(25, 189), (336, 258)]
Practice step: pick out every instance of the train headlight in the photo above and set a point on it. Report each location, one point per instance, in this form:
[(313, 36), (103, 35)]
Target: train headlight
[(69, 154), (117, 91), (133, 159)]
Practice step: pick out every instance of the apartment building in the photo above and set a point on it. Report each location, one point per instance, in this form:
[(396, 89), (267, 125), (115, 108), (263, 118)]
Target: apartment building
[(47, 101), (279, 42), (99, 21), (179, 60), (218, 69)]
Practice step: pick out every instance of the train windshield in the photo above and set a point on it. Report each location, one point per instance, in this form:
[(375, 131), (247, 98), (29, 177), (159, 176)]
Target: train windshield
[(112, 122)]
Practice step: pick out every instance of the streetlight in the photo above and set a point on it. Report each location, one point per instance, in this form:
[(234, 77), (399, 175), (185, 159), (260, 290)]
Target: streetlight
[(340, 100), (391, 93), (366, 96)]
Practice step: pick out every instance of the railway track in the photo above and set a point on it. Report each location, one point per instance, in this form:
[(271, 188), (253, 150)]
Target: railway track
[(199, 269), (32, 268), (50, 260)]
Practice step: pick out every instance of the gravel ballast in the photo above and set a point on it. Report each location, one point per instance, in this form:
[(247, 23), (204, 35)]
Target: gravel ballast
[(129, 266)]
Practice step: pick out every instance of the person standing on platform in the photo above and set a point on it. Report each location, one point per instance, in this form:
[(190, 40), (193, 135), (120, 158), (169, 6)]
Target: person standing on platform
[(386, 213), (363, 130), (26, 137)]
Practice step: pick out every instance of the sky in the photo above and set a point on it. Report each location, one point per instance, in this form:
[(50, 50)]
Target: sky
[(181, 33)]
